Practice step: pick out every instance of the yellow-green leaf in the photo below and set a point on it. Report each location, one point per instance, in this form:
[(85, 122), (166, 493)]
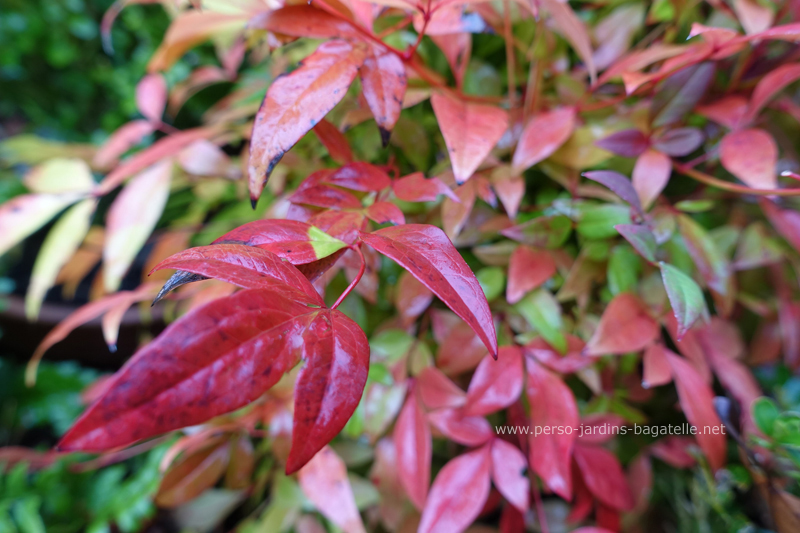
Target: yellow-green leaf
[(22, 215), (60, 176)]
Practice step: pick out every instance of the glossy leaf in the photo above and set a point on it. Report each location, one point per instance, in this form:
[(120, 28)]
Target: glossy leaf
[(458, 493), (553, 409), (470, 132), (131, 219), (495, 384), (244, 266), (508, 473), (412, 440), (697, 402), (542, 136), (626, 326), (427, 253), (751, 155), (296, 102), (383, 80), (359, 176)]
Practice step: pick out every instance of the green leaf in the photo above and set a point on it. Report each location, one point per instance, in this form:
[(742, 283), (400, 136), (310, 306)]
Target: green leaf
[(694, 206), (62, 241), (624, 267), (323, 244), (765, 413), (685, 297), (597, 222), (492, 280), (390, 346), (543, 313)]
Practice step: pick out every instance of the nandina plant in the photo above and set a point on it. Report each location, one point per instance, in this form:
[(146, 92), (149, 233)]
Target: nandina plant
[(627, 245)]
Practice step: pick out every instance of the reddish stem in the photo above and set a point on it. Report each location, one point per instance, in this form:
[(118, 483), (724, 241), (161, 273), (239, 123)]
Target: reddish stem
[(352, 285)]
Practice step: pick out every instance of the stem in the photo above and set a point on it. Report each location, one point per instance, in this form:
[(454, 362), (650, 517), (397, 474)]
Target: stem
[(352, 285), (731, 187)]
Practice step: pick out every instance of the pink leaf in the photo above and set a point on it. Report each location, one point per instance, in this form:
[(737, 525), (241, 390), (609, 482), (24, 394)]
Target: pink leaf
[(508, 473), (555, 413), (626, 326), (750, 155), (151, 97), (437, 391), (495, 384), (458, 493), (650, 175), (324, 481), (656, 369), (412, 440), (470, 132), (542, 136), (604, 477)]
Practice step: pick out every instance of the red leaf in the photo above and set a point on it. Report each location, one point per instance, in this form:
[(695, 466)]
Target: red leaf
[(191, 476), (334, 141), (650, 175), (553, 412), (470, 132), (543, 135), (656, 367), (151, 97), (528, 268), (697, 402), (786, 221), (750, 155), (329, 385), (325, 196), (509, 188), (458, 493), (508, 473), (244, 266), (324, 481), (412, 439), (415, 188), (412, 298), (456, 213), (627, 143), (297, 242), (495, 384), (359, 176), (689, 347), (457, 48), (385, 213), (569, 363), (296, 102), (427, 253), (460, 351), (772, 83), (303, 21), (437, 391), (728, 111), (214, 359), (626, 326), (673, 450), (383, 80), (604, 477), (466, 430), (640, 479)]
